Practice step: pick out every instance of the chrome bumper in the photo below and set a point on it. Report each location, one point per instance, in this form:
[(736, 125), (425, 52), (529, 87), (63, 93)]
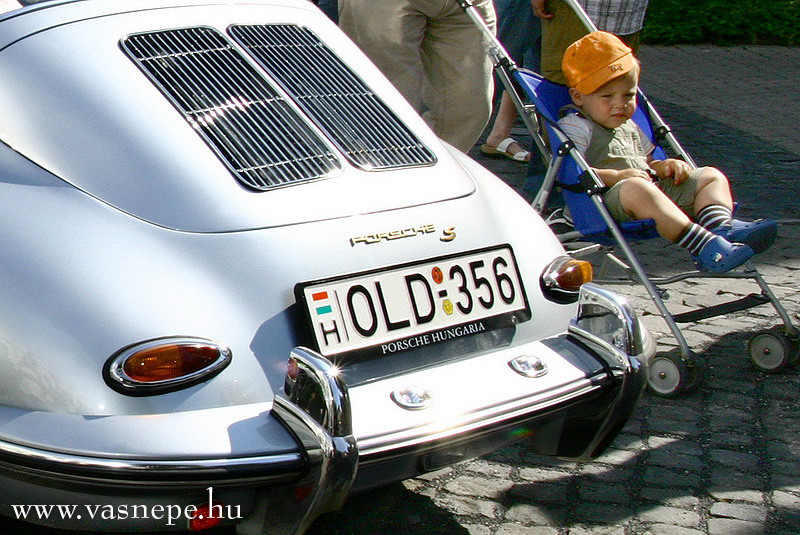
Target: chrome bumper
[(607, 325), (315, 407), (282, 493)]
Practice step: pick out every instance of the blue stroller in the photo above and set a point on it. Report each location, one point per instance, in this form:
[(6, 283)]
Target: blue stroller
[(538, 102)]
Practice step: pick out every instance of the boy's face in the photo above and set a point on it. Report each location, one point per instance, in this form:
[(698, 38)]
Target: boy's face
[(612, 104)]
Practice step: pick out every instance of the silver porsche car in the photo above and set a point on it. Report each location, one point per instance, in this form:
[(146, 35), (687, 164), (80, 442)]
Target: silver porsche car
[(241, 279)]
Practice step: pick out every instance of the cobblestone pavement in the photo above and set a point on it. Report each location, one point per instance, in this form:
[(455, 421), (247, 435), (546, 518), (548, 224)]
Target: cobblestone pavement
[(720, 461)]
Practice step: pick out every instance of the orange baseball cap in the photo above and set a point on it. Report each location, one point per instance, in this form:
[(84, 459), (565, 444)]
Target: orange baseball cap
[(595, 59)]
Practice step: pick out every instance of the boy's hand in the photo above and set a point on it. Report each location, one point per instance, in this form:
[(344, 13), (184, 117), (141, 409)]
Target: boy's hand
[(677, 169)]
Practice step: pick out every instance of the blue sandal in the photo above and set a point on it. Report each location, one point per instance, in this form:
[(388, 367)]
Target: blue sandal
[(759, 235), (719, 255)]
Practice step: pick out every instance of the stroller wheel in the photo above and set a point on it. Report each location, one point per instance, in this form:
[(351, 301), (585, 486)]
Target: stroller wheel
[(668, 375), (770, 351)]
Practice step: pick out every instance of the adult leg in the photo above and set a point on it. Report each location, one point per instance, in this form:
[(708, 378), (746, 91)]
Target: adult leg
[(557, 34), (458, 72), (390, 34), (501, 131), (518, 30)]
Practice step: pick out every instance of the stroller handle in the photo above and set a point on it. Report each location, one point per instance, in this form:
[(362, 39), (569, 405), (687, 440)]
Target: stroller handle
[(494, 48)]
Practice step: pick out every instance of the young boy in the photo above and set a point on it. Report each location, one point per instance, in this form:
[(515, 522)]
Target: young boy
[(691, 207)]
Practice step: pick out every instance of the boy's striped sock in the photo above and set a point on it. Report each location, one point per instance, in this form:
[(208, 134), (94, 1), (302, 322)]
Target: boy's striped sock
[(694, 238), (714, 215)]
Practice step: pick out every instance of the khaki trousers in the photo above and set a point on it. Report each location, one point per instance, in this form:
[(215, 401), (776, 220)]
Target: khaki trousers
[(433, 54)]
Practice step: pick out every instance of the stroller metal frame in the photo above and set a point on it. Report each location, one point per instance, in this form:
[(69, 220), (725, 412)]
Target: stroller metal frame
[(669, 374)]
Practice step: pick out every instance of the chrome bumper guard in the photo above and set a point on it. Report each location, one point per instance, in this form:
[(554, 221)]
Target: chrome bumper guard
[(607, 325), (606, 322), (315, 407)]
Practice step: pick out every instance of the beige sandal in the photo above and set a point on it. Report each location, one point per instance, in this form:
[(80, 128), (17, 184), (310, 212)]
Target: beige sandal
[(501, 151)]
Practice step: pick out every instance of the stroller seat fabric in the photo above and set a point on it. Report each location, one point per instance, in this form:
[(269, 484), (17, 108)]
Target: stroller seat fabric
[(576, 186)]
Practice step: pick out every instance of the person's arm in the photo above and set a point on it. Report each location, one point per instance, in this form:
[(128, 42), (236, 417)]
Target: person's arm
[(669, 168), (540, 9)]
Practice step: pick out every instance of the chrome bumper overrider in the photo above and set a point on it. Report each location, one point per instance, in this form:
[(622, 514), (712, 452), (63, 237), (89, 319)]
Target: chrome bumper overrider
[(608, 326), (606, 322), (315, 406)]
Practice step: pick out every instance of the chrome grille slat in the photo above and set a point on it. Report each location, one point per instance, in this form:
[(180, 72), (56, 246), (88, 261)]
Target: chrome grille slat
[(354, 95), (341, 104), (261, 138), (197, 83)]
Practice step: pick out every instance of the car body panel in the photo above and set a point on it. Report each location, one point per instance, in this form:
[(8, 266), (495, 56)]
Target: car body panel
[(121, 225), (97, 149)]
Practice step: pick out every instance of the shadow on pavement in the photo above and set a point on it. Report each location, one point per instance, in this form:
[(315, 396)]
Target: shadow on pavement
[(388, 510), (726, 452)]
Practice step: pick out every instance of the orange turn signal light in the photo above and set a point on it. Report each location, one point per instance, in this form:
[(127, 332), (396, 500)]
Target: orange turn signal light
[(563, 277), (571, 274), (165, 364), (170, 361)]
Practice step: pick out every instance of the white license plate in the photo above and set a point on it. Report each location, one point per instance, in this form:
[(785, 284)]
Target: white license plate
[(415, 305)]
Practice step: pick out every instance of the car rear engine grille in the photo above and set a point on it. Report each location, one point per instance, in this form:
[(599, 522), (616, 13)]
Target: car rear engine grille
[(262, 139), (337, 100)]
